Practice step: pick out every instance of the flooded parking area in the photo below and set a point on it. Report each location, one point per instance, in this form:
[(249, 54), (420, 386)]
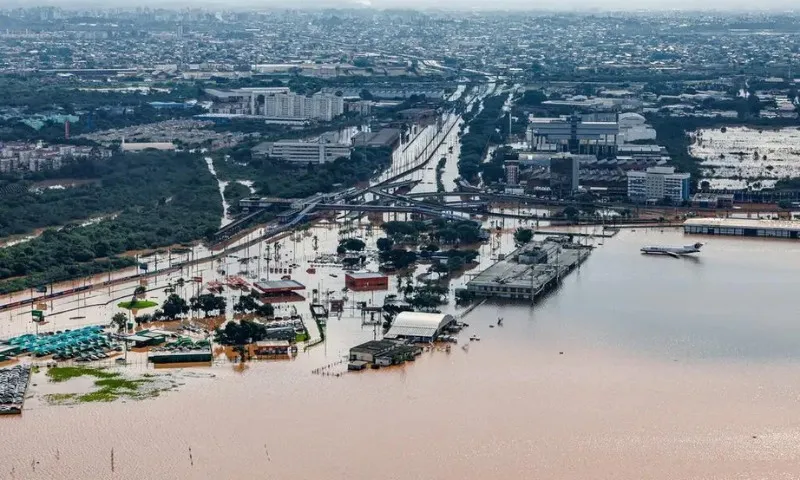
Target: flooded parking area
[(741, 157)]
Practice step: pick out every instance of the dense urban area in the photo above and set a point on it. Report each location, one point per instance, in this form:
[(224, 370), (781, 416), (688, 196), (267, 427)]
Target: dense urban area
[(208, 187)]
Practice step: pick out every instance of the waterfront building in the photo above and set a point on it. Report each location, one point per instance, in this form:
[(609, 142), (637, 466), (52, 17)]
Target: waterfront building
[(530, 271), (743, 227), (658, 183), (383, 353), (418, 326)]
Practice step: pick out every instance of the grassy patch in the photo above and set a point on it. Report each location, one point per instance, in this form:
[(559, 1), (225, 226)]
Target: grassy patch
[(61, 374), (137, 304), (110, 385), (58, 398)]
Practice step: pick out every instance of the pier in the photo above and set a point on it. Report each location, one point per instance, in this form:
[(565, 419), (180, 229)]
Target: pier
[(530, 271)]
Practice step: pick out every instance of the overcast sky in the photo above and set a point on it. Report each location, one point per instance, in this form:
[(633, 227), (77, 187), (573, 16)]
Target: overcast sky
[(571, 5)]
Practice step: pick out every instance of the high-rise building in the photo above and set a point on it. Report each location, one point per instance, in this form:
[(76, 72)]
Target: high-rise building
[(512, 173), (564, 176), (658, 183)]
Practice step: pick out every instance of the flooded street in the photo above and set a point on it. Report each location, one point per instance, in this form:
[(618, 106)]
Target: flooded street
[(670, 369)]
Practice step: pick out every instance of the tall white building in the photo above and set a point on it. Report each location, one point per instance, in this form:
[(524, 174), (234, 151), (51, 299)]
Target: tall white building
[(276, 103), (657, 183), (299, 107)]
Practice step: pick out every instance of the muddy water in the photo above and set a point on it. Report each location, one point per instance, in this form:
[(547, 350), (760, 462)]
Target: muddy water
[(671, 368)]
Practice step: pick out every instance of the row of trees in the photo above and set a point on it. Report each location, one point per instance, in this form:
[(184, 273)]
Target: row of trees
[(486, 127), (440, 230)]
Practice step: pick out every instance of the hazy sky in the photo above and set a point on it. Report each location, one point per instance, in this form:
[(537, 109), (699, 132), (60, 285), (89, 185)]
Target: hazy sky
[(572, 5)]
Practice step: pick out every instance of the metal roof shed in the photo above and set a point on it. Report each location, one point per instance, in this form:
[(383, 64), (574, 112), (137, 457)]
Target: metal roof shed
[(419, 326)]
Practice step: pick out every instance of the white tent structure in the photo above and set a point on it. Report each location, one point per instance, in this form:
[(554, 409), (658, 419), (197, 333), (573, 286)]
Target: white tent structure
[(418, 326)]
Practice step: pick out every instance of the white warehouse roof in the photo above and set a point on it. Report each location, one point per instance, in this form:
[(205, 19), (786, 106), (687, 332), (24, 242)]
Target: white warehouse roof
[(418, 324)]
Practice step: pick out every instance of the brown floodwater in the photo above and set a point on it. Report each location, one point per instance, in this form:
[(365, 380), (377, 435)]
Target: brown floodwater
[(671, 368)]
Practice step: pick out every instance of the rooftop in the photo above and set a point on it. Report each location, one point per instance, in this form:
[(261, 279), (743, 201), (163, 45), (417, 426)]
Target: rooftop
[(744, 223), (273, 285), (362, 275)]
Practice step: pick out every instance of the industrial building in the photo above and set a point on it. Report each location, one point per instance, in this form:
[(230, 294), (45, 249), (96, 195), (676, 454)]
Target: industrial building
[(383, 352), (530, 271), (573, 134), (176, 356), (743, 227), (658, 183), (297, 151), (366, 281), (418, 326), (712, 200), (385, 137)]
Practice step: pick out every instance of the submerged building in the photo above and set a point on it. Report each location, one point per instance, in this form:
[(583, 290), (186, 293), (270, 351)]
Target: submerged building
[(743, 227), (418, 326)]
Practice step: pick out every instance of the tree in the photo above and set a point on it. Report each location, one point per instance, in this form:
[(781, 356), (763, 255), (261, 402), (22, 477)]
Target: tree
[(208, 302), (265, 310), (455, 263), (571, 213), (523, 236), (384, 244), (365, 95), (174, 306), (120, 320), (246, 303), (352, 244), (139, 291)]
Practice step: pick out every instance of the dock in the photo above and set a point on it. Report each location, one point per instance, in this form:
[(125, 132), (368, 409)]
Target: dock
[(530, 271)]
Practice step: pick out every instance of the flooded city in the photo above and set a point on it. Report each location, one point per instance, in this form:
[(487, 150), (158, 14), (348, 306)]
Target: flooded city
[(633, 360), (355, 243)]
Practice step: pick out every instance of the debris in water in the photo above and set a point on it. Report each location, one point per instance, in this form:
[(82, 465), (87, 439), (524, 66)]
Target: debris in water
[(112, 459), (191, 460), (561, 353), (267, 452)]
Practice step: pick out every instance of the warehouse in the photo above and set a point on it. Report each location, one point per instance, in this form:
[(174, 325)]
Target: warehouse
[(383, 353), (418, 326), (366, 281), (743, 227)]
